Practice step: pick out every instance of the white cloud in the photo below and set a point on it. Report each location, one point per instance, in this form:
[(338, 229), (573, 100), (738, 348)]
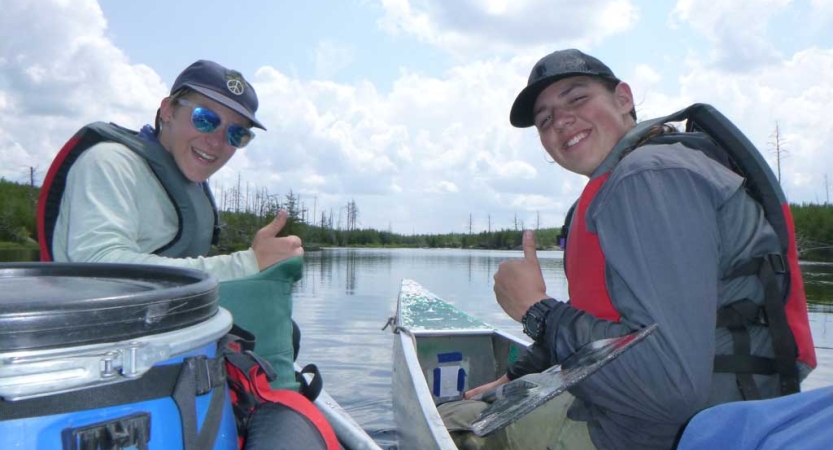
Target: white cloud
[(535, 202), (646, 75), (736, 29), (516, 169), (823, 6), (436, 143), (57, 73), (442, 187), (790, 93), (434, 147), (467, 26)]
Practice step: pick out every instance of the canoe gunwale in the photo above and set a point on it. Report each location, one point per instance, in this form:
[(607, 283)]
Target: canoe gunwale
[(440, 332), (405, 348)]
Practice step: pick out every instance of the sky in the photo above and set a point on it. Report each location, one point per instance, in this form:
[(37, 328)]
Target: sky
[(403, 105)]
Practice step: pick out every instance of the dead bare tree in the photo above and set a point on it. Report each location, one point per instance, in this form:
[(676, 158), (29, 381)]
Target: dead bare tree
[(777, 144), (33, 193), (352, 215)]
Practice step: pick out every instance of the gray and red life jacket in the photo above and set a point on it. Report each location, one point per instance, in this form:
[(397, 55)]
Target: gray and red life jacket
[(784, 309), (195, 208), (263, 414)]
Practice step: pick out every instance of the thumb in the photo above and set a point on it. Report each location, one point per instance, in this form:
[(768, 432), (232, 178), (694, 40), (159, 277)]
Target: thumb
[(529, 246), (278, 223)]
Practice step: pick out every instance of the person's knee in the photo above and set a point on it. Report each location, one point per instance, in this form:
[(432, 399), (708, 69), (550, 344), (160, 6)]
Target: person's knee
[(466, 440), (458, 416)]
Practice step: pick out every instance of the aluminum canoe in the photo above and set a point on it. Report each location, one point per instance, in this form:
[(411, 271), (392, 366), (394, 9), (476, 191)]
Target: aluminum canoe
[(439, 352)]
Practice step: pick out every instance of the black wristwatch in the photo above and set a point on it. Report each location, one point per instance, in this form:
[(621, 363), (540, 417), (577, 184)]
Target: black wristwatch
[(535, 319)]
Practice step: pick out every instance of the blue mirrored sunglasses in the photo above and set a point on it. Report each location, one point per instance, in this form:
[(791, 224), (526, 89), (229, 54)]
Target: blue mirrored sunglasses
[(206, 121)]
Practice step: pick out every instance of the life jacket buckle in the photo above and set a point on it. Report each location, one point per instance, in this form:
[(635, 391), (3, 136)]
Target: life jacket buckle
[(779, 264)]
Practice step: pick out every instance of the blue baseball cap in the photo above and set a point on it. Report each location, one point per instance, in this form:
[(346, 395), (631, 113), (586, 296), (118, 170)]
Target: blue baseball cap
[(222, 85), (551, 68)]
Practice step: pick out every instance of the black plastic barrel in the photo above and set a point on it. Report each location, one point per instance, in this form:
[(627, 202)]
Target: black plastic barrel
[(47, 305)]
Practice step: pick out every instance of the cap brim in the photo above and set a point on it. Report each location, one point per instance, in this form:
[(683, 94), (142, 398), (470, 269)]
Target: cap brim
[(234, 106), (522, 114)]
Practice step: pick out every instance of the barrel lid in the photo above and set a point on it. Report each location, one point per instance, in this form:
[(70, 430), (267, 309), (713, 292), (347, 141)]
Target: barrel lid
[(47, 305)]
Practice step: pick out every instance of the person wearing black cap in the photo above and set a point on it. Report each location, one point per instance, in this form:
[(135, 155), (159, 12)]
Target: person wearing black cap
[(661, 234), (119, 196)]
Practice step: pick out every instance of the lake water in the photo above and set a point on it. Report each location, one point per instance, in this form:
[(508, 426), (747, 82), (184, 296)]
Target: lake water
[(347, 295)]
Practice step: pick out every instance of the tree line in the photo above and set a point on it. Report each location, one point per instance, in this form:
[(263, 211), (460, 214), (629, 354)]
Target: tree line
[(237, 228), (244, 210), (18, 211)]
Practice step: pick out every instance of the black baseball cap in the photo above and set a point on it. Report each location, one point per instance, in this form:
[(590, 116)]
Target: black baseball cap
[(551, 68), (220, 84)]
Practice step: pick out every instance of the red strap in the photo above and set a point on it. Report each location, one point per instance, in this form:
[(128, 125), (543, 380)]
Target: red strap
[(45, 251), (296, 402)]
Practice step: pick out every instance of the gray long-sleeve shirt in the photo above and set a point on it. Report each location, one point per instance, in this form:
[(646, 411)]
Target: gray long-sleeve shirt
[(672, 224)]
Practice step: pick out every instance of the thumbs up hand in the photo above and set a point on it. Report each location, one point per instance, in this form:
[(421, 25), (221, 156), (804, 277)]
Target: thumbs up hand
[(269, 249), (519, 283)]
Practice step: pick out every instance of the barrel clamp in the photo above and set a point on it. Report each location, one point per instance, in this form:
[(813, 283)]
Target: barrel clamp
[(37, 373)]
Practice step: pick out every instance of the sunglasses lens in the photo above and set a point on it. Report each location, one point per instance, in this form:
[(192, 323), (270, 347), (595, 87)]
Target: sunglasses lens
[(205, 120), (239, 136)]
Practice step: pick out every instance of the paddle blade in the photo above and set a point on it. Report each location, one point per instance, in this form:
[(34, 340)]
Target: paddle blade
[(519, 397)]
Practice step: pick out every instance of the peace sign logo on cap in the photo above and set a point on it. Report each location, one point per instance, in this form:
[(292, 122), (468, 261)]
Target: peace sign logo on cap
[(235, 84)]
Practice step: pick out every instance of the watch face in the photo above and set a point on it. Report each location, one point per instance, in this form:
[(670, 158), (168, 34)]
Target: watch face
[(531, 324), (535, 319)]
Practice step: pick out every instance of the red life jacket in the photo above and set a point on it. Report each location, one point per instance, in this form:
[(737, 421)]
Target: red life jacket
[(786, 312), (584, 261)]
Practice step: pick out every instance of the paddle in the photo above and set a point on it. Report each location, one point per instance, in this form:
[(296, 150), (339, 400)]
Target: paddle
[(519, 397)]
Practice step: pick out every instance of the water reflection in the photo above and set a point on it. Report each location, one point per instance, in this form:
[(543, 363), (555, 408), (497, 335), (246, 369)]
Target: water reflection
[(18, 254), (347, 295), (818, 282)]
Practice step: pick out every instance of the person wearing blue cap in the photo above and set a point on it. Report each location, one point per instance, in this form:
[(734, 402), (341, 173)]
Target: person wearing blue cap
[(119, 196), (666, 232)]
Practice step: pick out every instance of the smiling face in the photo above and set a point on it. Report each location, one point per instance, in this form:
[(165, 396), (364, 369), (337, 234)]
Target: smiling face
[(579, 121), (198, 155)]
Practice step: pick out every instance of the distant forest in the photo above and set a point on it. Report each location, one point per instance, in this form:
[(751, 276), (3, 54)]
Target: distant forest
[(244, 211)]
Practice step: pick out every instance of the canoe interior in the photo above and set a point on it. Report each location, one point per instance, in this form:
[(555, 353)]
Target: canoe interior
[(453, 364), (455, 351), (439, 353)]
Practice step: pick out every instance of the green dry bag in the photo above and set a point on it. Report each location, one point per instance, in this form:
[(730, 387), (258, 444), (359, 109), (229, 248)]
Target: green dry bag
[(262, 304)]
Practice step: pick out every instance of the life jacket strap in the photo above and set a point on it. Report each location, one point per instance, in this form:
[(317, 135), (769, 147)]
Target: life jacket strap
[(737, 316), (746, 364), (310, 388), (783, 341)]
